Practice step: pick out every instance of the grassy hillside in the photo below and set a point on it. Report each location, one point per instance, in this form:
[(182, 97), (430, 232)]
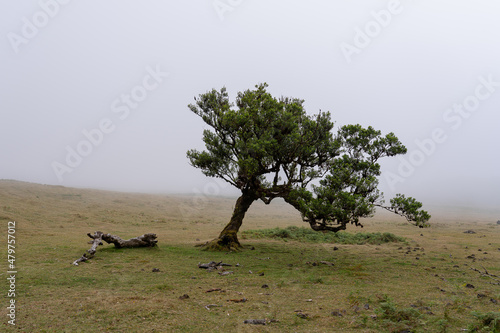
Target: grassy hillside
[(422, 284)]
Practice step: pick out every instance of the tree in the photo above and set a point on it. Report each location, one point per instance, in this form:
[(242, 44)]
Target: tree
[(270, 148)]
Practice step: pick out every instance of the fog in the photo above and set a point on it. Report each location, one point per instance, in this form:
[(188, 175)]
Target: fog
[(110, 82)]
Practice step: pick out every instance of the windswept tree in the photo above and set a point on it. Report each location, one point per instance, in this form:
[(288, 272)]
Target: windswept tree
[(270, 148)]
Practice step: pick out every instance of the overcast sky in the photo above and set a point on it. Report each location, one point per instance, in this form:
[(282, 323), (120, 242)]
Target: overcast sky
[(95, 93)]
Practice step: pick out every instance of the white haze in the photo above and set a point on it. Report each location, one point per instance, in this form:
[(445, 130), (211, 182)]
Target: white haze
[(70, 73)]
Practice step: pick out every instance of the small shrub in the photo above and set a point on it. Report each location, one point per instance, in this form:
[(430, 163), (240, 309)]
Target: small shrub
[(389, 310), (488, 322), (396, 319)]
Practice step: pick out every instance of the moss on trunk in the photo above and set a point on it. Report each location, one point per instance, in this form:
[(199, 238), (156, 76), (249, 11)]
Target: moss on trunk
[(226, 242)]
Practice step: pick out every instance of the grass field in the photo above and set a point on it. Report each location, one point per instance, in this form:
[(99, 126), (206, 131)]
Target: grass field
[(423, 283)]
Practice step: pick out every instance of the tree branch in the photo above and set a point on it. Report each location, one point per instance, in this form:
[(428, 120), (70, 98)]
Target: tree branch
[(491, 276), (146, 240)]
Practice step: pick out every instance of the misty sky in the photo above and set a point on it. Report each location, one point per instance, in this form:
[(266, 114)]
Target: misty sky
[(110, 81)]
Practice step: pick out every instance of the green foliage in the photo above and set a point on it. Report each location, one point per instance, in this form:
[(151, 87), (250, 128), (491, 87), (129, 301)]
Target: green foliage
[(307, 235), (488, 322), (396, 319), (271, 148), (410, 208), (263, 136)]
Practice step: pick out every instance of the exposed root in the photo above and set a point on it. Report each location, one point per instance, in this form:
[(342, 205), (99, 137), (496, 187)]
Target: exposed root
[(223, 244)]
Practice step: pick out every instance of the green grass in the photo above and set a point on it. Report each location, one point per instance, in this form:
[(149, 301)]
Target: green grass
[(373, 280), (302, 234)]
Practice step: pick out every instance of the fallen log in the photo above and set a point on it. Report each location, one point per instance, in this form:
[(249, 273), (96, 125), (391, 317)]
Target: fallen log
[(146, 240)]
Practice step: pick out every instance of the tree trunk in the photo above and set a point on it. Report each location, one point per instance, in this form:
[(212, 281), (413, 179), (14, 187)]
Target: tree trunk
[(228, 238)]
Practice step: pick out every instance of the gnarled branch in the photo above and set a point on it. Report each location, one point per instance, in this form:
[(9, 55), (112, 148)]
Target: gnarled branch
[(146, 240), (487, 274)]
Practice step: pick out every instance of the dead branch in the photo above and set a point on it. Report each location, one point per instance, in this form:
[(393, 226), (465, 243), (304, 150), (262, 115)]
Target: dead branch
[(485, 273), (146, 240)]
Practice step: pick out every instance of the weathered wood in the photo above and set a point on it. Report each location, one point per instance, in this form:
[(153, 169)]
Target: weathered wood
[(97, 240), (146, 240), (487, 274)]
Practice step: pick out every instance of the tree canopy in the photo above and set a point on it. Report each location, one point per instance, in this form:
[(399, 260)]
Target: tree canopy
[(271, 148)]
